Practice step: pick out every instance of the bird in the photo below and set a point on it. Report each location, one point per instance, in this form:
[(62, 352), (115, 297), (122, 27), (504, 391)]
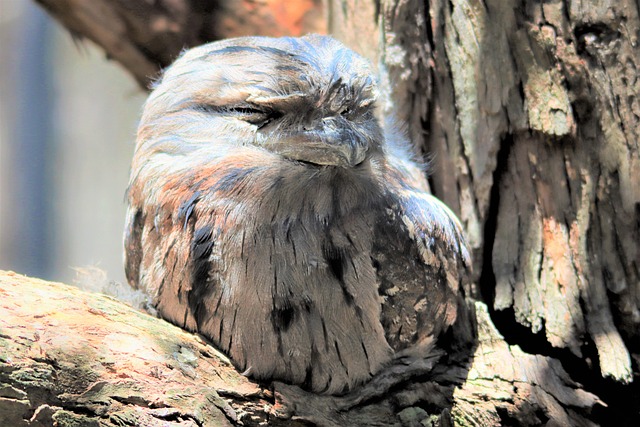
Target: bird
[(272, 212)]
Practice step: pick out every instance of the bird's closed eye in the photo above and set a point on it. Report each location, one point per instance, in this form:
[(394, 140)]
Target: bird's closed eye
[(255, 116)]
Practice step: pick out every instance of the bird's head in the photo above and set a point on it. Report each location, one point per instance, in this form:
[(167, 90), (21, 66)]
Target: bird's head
[(307, 99)]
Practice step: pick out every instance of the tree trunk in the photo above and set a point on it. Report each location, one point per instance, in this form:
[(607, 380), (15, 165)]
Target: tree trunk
[(530, 115)]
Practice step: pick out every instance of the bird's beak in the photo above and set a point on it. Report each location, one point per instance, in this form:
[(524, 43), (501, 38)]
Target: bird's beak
[(322, 152), (323, 146)]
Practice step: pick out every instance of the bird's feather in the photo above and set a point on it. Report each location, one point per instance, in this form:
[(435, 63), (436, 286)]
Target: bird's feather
[(302, 267)]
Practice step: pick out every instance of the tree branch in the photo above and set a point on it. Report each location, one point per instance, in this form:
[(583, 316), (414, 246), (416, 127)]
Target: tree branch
[(70, 356), (147, 36)]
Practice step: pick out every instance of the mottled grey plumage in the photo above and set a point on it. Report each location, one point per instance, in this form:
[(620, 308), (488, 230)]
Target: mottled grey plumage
[(268, 212)]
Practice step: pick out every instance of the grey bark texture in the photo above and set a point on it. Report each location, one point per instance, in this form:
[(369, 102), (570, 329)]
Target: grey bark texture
[(529, 112)]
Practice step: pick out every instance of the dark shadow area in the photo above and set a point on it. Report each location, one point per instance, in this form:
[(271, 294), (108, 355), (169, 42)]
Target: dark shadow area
[(487, 282)]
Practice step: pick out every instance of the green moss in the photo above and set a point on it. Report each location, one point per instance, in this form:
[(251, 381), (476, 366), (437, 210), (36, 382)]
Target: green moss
[(69, 419)]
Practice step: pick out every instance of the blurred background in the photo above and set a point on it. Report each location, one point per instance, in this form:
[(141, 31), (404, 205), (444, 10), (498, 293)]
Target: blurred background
[(67, 130)]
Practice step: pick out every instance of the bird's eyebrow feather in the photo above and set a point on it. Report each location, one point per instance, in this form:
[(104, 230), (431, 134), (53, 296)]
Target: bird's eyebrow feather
[(288, 68), (303, 59), (266, 89), (254, 49)]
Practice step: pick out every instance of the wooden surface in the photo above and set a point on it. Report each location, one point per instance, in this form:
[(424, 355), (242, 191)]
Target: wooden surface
[(544, 144), (70, 357)]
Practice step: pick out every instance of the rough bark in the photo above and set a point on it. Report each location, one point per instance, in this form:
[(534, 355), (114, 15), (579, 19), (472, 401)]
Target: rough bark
[(76, 358), (529, 111)]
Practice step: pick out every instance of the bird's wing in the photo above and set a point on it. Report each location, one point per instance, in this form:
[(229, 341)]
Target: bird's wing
[(421, 259), (168, 247), (163, 268)]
